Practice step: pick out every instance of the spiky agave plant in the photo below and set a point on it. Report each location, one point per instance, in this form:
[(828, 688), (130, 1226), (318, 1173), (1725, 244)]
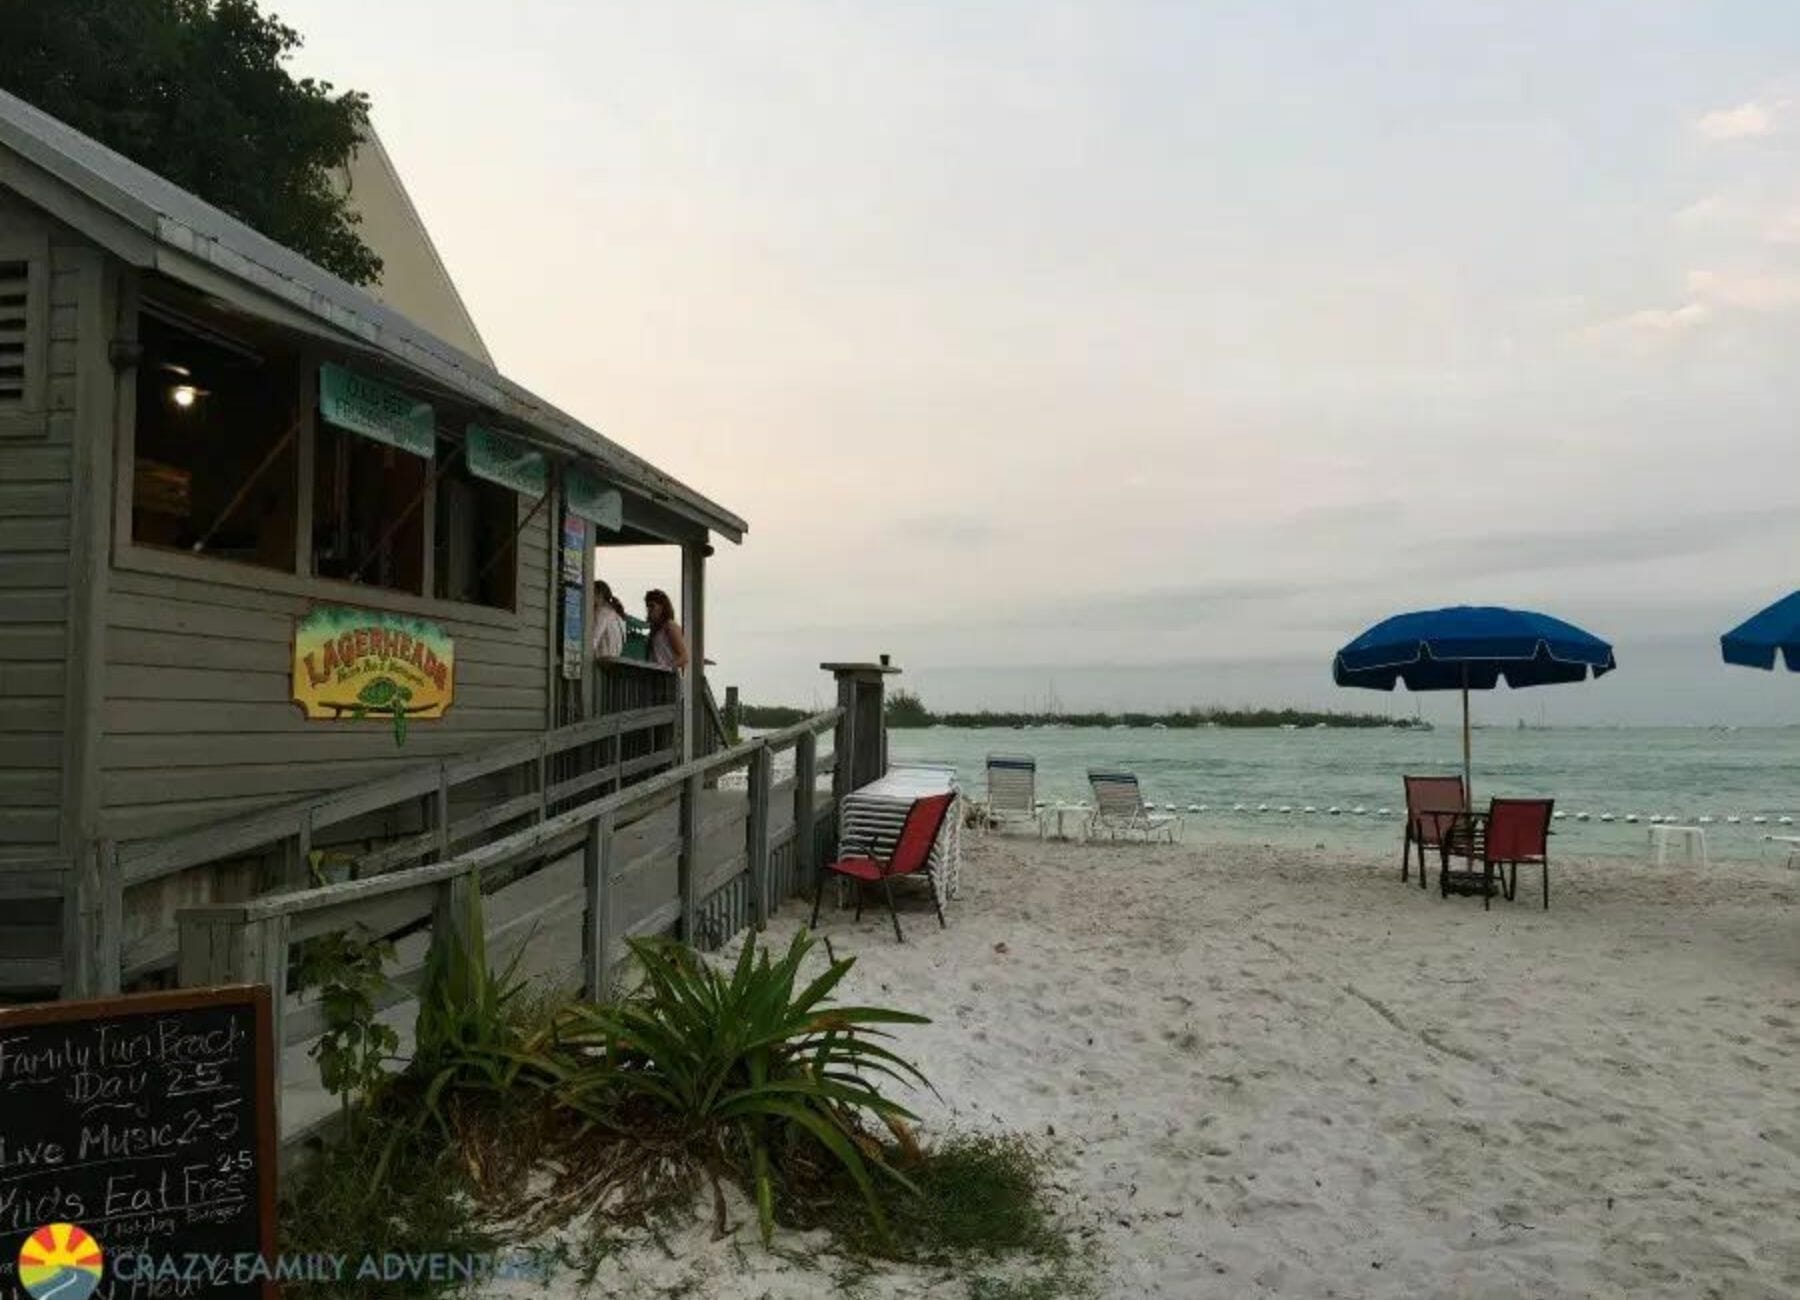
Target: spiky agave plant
[(469, 1036), (746, 1063)]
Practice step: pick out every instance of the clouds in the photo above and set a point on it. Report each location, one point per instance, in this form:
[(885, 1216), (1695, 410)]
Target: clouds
[(1757, 291), (1740, 241), (1139, 333), (1654, 324), (1747, 121)]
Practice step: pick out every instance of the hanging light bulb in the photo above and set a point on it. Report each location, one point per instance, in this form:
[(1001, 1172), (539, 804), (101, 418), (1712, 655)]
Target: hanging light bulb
[(184, 396)]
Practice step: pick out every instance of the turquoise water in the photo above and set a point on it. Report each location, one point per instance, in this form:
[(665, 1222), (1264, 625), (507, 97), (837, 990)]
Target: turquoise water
[(1680, 773)]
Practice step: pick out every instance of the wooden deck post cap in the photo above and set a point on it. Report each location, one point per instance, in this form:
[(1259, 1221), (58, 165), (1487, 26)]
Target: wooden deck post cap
[(860, 670)]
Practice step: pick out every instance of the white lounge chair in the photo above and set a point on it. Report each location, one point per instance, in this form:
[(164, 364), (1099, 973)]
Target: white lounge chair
[(1012, 790), (1119, 808)]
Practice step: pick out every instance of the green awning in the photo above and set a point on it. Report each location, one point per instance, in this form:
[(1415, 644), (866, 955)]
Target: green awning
[(594, 501), (508, 462), (374, 410)]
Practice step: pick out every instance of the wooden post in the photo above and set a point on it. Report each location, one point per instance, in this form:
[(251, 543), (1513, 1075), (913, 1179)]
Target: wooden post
[(731, 709), (443, 811), (93, 922), (266, 962), (450, 912), (554, 514), (688, 865), (806, 761), (215, 951), (303, 845), (693, 623), (105, 398), (862, 731), (597, 922), (756, 833), (843, 744), (1468, 769), (543, 778)]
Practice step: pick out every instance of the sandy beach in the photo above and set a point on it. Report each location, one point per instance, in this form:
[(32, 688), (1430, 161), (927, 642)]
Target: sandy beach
[(1270, 1072)]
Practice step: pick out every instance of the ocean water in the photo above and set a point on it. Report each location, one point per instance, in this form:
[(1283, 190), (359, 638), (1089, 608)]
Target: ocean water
[(1683, 774)]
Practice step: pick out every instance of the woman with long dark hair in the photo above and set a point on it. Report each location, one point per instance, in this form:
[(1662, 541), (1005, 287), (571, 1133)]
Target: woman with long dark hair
[(609, 623), (668, 645)]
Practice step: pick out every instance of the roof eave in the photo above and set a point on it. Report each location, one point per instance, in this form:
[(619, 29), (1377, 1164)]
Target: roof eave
[(180, 250), (143, 236)]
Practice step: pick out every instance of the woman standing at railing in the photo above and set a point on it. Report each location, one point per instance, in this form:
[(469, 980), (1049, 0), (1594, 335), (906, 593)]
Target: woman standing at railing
[(609, 622), (668, 645)]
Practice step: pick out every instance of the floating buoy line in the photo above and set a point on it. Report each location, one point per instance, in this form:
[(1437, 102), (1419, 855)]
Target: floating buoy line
[(1561, 814)]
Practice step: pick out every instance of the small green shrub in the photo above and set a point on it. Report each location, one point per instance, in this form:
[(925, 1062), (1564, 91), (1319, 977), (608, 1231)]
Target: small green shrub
[(353, 1052), (759, 1077)]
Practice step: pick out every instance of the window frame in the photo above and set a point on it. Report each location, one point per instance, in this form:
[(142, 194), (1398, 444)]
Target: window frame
[(131, 556)]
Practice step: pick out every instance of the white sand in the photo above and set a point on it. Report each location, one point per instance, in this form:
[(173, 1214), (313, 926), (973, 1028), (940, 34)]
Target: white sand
[(1272, 1073)]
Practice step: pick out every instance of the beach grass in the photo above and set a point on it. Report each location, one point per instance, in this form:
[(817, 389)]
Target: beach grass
[(331, 1206), (984, 1210)]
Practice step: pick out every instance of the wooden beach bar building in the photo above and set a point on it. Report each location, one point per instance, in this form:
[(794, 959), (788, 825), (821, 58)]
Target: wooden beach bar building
[(294, 598)]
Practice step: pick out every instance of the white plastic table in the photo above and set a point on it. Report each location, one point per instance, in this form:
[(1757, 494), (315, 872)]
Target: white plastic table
[(1060, 811), (1693, 839), (875, 813)]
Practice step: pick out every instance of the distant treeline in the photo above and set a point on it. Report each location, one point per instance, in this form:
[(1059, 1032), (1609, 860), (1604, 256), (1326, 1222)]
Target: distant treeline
[(1186, 718), (765, 716), (905, 709)]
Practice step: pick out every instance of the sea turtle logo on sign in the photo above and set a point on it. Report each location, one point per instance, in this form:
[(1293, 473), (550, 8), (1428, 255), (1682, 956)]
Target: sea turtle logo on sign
[(60, 1261), (357, 663)]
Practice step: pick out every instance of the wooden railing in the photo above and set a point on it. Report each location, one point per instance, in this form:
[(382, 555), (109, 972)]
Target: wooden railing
[(533, 779), (702, 901)]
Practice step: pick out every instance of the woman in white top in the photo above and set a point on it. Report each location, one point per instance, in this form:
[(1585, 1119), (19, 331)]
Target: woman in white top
[(609, 623), (668, 646)]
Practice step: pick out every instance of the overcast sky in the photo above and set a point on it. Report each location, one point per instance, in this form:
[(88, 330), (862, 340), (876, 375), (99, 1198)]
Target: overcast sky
[(1148, 351)]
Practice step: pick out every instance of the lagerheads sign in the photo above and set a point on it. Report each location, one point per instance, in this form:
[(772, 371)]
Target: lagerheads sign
[(358, 663)]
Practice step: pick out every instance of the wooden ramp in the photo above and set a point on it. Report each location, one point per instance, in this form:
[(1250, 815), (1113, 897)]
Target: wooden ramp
[(678, 852), (538, 919)]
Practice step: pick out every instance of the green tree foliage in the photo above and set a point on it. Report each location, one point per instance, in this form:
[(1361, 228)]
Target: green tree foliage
[(770, 715), (904, 709), (195, 90)]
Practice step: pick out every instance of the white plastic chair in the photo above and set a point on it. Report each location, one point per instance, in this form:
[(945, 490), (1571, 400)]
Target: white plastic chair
[(1012, 790), (1119, 808)]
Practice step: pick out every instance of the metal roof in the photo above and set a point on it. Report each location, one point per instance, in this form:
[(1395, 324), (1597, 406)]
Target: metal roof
[(192, 241)]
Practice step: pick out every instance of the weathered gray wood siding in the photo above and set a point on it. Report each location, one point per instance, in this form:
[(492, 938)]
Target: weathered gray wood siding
[(37, 468), (197, 722)]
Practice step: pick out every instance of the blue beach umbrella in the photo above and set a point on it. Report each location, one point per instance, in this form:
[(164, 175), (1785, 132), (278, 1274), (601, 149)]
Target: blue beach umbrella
[(1756, 641), (1470, 648)]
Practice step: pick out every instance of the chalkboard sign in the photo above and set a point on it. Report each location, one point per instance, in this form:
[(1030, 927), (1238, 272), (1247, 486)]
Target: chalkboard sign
[(137, 1136)]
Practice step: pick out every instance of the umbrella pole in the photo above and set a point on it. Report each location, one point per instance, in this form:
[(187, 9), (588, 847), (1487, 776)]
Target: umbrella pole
[(1468, 779)]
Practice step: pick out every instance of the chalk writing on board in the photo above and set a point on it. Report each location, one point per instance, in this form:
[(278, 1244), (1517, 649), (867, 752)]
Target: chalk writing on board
[(142, 1122)]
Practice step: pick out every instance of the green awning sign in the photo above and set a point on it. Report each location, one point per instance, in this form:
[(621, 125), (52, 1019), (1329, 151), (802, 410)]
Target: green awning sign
[(594, 501), (506, 461), (374, 410)]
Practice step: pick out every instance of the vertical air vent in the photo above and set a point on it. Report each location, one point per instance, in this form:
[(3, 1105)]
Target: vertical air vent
[(15, 317)]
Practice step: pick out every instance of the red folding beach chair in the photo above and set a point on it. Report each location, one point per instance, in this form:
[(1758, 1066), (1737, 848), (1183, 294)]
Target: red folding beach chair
[(1518, 830), (912, 853), (1430, 803), (1510, 832)]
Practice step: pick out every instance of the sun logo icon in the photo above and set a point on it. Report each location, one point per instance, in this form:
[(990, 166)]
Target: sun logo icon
[(60, 1261)]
